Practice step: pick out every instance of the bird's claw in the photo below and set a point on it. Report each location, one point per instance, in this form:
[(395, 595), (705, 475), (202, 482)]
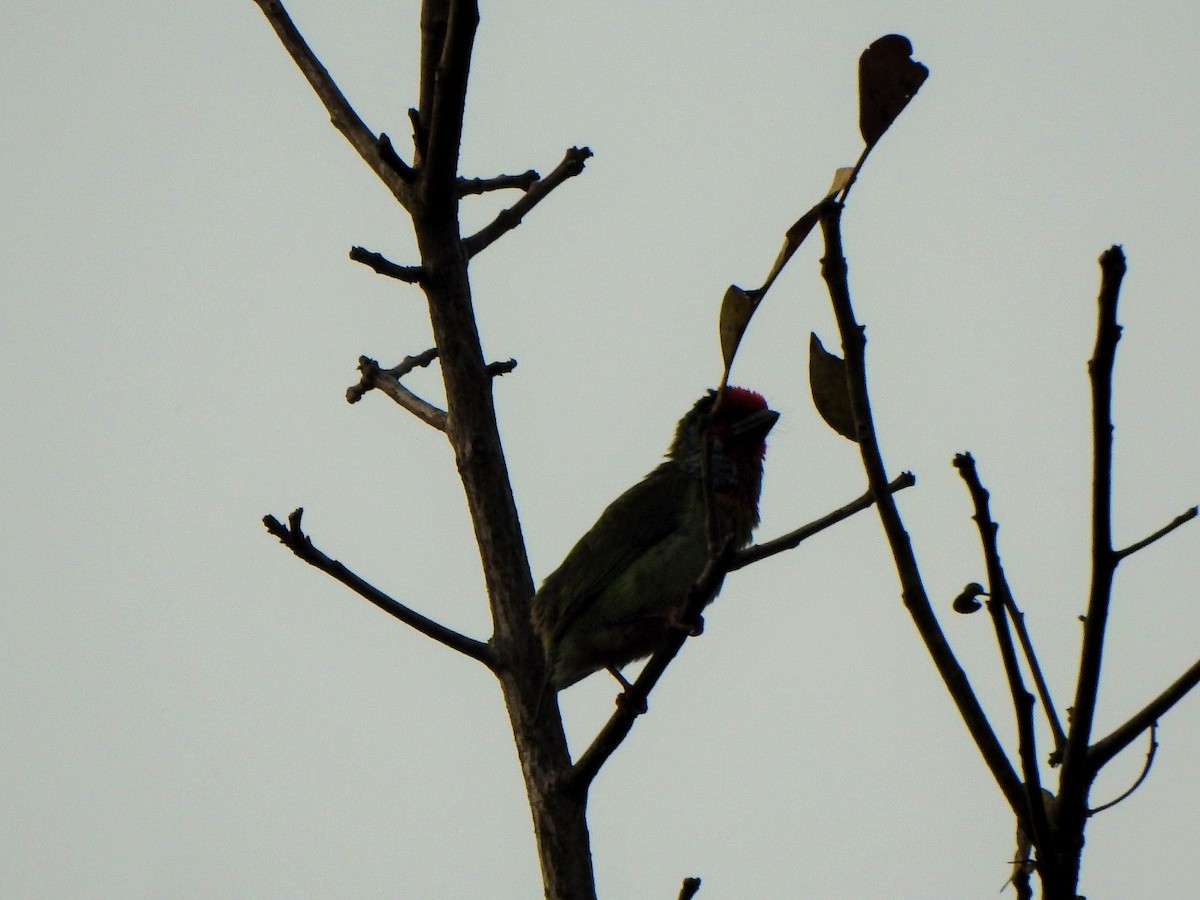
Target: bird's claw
[(694, 628), (625, 703)]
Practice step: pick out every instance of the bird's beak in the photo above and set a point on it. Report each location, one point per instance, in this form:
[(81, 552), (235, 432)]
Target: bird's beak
[(756, 425)]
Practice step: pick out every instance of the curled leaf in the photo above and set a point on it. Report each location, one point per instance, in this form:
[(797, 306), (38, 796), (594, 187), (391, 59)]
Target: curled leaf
[(888, 77), (830, 390), (967, 602)]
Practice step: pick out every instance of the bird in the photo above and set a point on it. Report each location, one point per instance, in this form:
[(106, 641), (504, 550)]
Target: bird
[(622, 587)]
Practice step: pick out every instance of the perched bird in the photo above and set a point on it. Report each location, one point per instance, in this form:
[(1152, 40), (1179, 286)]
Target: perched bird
[(624, 584)]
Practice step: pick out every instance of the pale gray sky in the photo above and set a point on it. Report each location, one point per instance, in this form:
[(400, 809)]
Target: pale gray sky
[(189, 711)]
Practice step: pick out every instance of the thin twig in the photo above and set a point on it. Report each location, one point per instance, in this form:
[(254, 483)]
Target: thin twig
[(1121, 737), (392, 158), (965, 463), (1180, 519), (793, 539), (916, 600), (1145, 771), (1035, 668), (508, 219), (998, 603), (294, 538), (384, 266), (341, 113), (496, 369), (522, 182)]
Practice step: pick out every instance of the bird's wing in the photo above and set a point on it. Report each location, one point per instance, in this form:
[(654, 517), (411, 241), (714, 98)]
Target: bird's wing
[(632, 525)]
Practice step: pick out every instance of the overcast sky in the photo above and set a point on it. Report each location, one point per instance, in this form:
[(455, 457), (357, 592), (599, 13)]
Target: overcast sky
[(189, 711)]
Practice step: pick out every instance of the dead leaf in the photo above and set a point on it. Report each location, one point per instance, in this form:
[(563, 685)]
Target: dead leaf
[(830, 390), (888, 77)]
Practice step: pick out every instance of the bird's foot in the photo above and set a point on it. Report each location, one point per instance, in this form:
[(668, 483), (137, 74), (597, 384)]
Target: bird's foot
[(676, 622), (623, 701)]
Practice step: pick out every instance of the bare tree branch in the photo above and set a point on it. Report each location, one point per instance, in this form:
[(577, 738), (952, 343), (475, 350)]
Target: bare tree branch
[(998, 603), (388, 381), (691, 886), (632, 702), (508, 219), (392, 158), (496, 369), (384, 266), (445, 114), (523, 182), (965, 463), (916, 600), (341, 113), (292, 537), (1076, 777), (1180, 519), (1153, 749), (793, 539), (1112, 744), (1035, 668)]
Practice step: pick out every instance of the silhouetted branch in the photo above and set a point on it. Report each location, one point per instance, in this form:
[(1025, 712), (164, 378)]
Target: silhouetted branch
[(998, 604), (341, 113), (384, 266), (1075, 779), (443, 119), (523, 182), (1180, 519), (293, 537), (392, 158), (690, 888), (965, 463), (388, 381), (508, 219), (1018, 620), (1109, 746), (632, 702), (1145, 771), (793, 539), (496, 369), (916, 600)]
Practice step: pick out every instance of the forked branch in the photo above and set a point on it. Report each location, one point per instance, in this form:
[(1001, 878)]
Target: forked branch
[(1109, 746), (377, 154), (916, 600), (1150, 752), (508, 219), (998, 605), (388, 381)]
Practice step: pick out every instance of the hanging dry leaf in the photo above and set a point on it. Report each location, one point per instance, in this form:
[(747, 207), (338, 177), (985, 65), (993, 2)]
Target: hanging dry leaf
[(736, 309), (830, 390), (888, 77)]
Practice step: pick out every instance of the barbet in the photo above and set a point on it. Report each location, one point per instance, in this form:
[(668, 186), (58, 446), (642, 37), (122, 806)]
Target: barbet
[(623, 586)]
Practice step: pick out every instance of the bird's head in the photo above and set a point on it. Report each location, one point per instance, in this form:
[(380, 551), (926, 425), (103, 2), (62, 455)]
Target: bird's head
[(737, 422)]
